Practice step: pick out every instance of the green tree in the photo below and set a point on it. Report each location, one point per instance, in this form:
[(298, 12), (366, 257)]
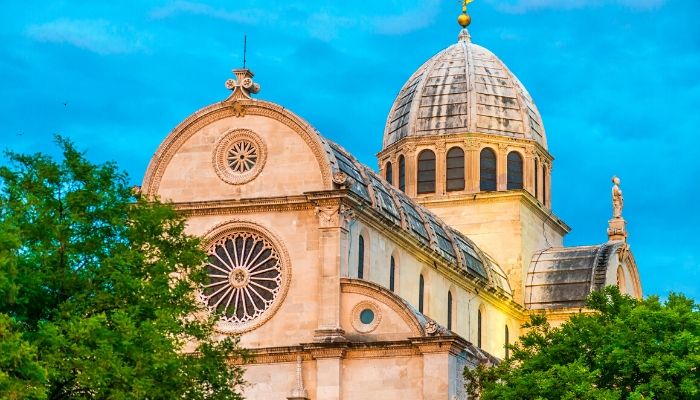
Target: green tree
[(624, 349), (97, 290)]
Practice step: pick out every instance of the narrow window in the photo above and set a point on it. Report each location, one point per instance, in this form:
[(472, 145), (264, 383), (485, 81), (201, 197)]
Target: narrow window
[(487, 172), (392, 273), (478, 329), (426, 172), (449, 311), (515, 170), (361, 258), (455, 169), (389, 173), (507, 343), (537, 180), (421, 288), (544, 185), (402, 173)]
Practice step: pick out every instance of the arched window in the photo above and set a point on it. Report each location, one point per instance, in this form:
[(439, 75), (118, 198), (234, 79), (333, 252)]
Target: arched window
[(421, 289), (389, 173), (455, 169), (487, 170), (361, 258), (426, 172), (537, 180), (402, 173), (515, 170), (478, 329), (449, 311), (507, 341), (392, 273)]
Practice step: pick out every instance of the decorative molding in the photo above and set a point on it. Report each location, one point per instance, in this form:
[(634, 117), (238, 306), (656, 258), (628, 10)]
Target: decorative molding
[(218, 111)]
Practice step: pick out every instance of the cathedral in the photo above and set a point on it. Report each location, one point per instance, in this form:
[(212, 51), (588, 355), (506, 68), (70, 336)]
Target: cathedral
[(347, 283)]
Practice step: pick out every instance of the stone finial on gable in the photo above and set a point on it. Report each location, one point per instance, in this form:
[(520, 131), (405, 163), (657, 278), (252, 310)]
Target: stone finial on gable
[(243, 85), (617, 226)]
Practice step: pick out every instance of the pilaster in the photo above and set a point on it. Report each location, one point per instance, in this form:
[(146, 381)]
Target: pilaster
[(501, 167)]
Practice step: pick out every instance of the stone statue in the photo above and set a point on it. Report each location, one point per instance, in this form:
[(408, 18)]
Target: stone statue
[(617, 199)]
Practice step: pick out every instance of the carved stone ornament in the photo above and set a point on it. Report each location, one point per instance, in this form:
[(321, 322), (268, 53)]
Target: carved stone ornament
[(248, 276), (243, 85), (340, 178), (299, 393), (431, 328), (239, 156), (328, 216), (238, 110)]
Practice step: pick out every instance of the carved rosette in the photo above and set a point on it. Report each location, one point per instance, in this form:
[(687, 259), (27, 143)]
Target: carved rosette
[(239, 156)]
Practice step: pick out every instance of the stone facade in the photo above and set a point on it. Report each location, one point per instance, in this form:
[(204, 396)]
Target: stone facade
[(344, 286)]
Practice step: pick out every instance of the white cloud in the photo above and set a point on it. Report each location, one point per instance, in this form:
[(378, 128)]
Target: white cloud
[(523, 6), (247, 16), (98, 36)]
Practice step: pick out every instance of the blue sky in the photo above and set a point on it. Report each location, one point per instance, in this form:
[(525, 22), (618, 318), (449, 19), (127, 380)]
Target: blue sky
[(616, 81)]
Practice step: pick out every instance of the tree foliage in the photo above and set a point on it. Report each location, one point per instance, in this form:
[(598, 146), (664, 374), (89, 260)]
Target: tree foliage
[(624, 349), (96, 290)]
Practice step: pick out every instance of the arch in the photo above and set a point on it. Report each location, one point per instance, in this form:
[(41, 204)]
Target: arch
[(537, 179), (515, 171), (421, 292), (454, 167), (389, 173), (225, 109), (426, 172), (449, 310), (621, 280), (392, 273), (402, 173), (487, 170), (361, 257)]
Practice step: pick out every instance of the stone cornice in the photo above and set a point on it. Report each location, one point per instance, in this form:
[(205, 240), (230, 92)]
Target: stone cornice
[(523, 196), (453, 345)]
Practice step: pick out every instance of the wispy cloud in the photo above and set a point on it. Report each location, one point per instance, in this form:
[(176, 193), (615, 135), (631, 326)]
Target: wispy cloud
[(98, 36), (246, 16), (522, 6), (421, 16)]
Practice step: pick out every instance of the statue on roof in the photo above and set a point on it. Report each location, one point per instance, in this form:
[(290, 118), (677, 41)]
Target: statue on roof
[(617, 199)]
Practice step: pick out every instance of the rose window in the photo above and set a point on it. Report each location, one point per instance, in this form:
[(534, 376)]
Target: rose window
[(245, 277), (242, 156)]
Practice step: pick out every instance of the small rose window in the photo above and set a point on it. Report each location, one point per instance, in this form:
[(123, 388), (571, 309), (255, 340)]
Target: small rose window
[(239, 156)]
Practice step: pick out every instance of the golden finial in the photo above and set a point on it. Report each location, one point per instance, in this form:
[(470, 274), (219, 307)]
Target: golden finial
[(464, 19)]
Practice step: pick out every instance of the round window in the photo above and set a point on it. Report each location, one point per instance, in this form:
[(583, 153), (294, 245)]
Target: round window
[(366, 316), (242, 156), (247, 275), (239, 156)]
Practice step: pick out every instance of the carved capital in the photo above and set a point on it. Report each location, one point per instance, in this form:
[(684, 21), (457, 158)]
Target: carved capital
[(328, 216), (473, 145)]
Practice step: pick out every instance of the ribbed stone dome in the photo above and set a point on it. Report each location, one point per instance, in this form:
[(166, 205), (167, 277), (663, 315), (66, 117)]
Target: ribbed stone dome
[(464, 88)]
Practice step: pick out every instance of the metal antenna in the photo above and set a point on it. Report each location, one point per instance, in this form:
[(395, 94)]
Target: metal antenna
[(245, 49)]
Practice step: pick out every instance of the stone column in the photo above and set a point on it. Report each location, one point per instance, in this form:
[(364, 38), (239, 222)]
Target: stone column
[(547, 171), (329, 372), (440, 169), (333, 236), (411, 170), (502, 167), (529, 170), (472, 173)]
